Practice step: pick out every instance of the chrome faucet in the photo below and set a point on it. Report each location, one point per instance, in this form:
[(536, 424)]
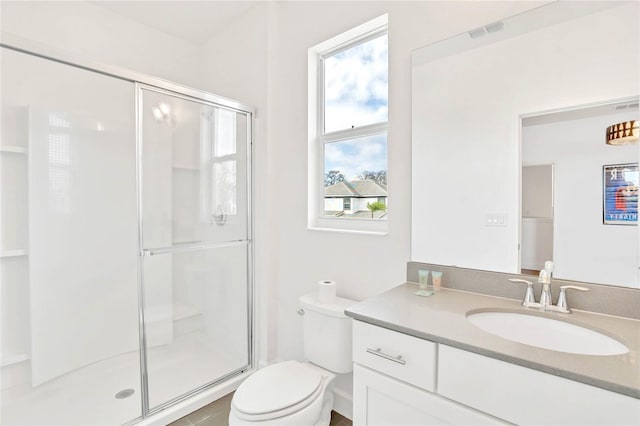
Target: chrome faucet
[(529, 300), (562, 305), (545, 296), (545, 279), (546, 303)]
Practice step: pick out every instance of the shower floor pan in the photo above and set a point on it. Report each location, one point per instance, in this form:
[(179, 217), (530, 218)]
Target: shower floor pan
[(87, 396)]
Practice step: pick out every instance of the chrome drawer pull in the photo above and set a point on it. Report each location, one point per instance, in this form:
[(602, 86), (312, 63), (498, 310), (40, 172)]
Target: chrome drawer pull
[(378, 352)]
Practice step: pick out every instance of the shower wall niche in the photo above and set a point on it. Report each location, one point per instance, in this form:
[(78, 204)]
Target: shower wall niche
[(126, 243), (14, 270)]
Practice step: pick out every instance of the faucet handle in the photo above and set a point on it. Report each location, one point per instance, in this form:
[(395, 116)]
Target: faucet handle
[(519, 280), (562, 304), (573, 287), (529, 298)]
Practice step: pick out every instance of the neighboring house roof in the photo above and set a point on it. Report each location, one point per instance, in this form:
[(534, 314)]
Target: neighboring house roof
[(356, 189), (369, 188), (340, 189)]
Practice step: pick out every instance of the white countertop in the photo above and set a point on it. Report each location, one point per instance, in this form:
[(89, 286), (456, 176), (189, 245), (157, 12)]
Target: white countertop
[(442, 318)]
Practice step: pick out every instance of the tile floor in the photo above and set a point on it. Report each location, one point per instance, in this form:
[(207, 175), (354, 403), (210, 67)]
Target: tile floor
[(217, 414)]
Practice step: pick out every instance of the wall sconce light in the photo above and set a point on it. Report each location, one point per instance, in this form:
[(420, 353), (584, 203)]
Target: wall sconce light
[(624, 133), (162, 112)]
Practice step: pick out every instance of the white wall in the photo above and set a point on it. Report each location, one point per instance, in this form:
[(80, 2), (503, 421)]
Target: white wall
[(305, 256), (98, 34), (584, 248), (470, 103)]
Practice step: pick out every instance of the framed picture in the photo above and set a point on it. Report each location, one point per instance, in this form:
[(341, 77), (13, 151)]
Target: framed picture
[(620, 186)]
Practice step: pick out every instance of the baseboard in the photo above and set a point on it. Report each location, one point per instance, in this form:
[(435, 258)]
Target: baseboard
[(343, 403)]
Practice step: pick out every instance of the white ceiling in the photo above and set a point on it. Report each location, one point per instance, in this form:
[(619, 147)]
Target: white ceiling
[(192, 21)]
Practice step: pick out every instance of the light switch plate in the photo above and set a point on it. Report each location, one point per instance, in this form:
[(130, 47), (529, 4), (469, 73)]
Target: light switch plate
[(496, 219)]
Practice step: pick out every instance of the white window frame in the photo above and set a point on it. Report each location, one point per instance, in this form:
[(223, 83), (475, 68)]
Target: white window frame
[(318, 138)]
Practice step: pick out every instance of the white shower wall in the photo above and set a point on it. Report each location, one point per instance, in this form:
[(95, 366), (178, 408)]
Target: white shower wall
[(71, 217), (212, 286), (95, 34)]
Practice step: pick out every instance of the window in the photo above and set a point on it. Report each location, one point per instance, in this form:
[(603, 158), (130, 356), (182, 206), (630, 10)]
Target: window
[(224, 164), (348, 95), (218, 186)]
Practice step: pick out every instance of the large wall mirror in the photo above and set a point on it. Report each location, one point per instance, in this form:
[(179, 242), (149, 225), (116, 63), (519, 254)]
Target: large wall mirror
[(509, 154)]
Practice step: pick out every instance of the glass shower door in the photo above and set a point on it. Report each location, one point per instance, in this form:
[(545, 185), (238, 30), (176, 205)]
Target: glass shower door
[(195, 239)]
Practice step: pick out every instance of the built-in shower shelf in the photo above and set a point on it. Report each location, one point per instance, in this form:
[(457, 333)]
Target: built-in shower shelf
[(13, 253), (13, 149), (183, 310), (185, 167), (186, 319), (10, 359)]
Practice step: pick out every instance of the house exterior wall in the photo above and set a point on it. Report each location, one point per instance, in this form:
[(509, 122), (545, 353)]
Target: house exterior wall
[(358, 204), (333, 204)]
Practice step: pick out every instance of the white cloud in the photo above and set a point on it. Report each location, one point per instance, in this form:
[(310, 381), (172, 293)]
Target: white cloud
[(356, 82), (356, 86)]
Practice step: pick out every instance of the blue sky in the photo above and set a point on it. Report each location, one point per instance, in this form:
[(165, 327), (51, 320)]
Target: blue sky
[(353, 156), (356, 92)]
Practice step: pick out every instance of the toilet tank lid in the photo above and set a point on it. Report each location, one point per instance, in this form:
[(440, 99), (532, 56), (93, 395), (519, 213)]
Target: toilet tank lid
[(335, 309)]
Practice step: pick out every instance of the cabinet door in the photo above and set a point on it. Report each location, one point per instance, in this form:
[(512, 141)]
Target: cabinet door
[(382, 401), (528, 397)]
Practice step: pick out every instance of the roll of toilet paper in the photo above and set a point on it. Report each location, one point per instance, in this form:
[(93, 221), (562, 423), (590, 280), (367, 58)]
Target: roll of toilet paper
[(326, 291)]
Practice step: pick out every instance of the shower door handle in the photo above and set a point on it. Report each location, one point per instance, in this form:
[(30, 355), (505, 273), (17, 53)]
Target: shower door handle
[(191, 247)]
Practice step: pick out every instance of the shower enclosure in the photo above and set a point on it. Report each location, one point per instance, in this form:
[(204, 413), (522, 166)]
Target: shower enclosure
[(126, 242)]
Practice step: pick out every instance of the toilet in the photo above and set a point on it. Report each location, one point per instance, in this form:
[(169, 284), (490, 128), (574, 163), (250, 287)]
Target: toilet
[(293, 393)]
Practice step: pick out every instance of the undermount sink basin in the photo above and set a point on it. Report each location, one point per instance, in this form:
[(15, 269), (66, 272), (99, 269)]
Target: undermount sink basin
[(546, 333)]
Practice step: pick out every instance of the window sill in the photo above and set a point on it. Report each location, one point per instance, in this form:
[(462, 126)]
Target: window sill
[(348, 231), (350, 226)]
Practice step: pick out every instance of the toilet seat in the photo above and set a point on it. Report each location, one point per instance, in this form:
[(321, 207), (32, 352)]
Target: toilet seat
[(277, 390)]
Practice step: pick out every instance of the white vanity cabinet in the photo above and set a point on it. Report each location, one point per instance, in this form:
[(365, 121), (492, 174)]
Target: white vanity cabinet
[(404, 380), (394, 379), (529, 397)]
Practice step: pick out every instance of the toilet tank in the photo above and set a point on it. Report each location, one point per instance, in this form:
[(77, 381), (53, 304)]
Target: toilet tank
[(327, 333)]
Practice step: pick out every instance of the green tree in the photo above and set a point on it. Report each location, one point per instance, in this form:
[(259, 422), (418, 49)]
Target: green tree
[(376, 206), (379, 177), (332, 177)]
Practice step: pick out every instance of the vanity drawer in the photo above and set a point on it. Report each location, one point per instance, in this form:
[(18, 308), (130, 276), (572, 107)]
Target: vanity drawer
[(403, 357)]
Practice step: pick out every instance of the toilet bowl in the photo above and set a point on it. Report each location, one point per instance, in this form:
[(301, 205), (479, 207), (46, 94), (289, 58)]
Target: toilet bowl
[(293, 393)]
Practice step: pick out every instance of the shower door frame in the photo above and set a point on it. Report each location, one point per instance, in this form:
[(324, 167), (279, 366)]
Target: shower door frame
[(141, 80), (139, 110)]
